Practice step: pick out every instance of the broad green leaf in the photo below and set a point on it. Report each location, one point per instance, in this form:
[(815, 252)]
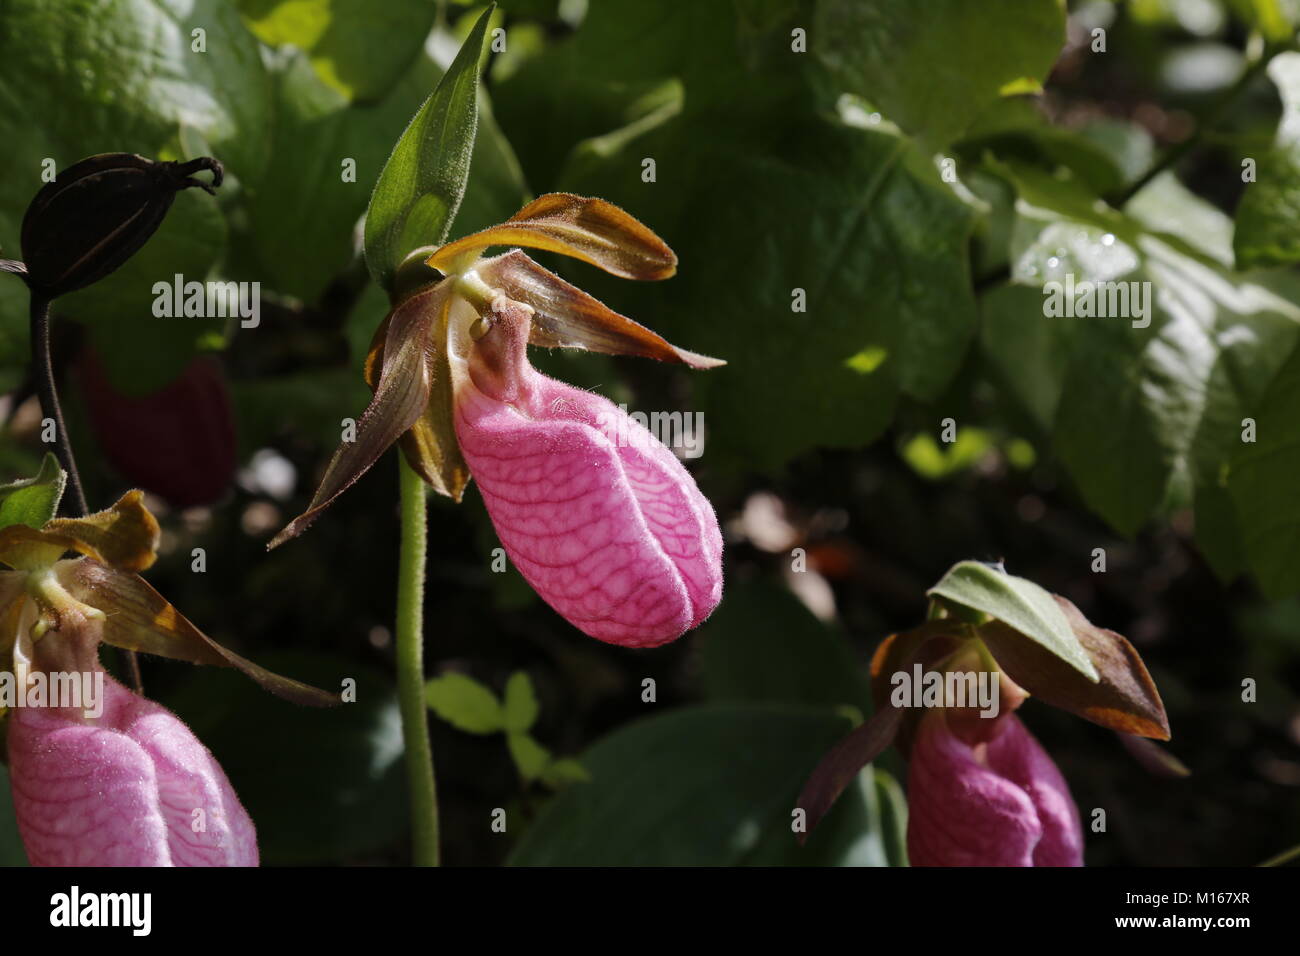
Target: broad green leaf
[(33, 501), (856, 226), (932, 73), (858, 231), (763, 646), (1017, 602), (465, 703), (1145, 411), (322, 786), (342, 37), (1262, 481), (1268, 216), (421, 185), (520, 707), (705, 786)]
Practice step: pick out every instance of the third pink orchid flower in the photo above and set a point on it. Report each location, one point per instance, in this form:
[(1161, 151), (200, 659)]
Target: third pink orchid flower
[(601, 518)]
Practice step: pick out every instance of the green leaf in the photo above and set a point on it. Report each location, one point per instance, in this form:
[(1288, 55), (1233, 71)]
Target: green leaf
[(322, 785), (342, 37), (1017, 602), (710, 786), (933, 74), (421, 185), (1145, 412), (521, 709), (465, 703), (1263, 485), (763, 646), (855, 217), (530, 757), (33, 501), (1268, 216)]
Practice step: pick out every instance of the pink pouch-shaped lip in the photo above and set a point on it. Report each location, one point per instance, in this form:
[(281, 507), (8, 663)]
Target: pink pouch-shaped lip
[(602, 520), (1002, 803), (133, 787)]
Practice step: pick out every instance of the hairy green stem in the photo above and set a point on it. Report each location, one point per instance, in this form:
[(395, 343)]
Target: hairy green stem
[(410, 669)]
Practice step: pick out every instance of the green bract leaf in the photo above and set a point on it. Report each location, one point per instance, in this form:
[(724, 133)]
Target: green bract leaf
[(422, 183), (465, 703), (33, 501), (1124, 699), (1018, 602), (520, 703)]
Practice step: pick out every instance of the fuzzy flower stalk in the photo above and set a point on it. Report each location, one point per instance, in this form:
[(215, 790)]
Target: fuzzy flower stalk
[(100, 775), (603, 520)]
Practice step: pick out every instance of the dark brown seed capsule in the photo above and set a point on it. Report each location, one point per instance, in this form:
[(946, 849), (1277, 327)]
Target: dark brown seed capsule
[(98, 213)]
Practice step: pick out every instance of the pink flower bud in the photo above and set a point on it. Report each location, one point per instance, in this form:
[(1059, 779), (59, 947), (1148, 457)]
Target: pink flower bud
[(601, 519), (999, 803), (133, 787)]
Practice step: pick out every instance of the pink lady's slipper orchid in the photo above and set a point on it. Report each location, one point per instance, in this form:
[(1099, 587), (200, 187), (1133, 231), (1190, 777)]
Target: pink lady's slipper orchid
[(601, 519), (1000, 802), (100, 775), (981, 791)]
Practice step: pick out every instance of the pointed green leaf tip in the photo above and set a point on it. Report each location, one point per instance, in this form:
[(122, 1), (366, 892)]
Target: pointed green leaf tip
[(33, 501), (1018, 603), (421, 186)]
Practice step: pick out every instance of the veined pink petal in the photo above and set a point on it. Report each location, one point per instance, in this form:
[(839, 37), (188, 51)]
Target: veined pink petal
[(133, 787), (1003, 803), (601, 519)]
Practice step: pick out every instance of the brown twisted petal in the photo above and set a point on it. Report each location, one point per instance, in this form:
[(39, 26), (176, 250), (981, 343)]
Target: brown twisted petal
[(125, 535), (138, 618), (401, 396), (592, 230), (566, 317), (430, 445)]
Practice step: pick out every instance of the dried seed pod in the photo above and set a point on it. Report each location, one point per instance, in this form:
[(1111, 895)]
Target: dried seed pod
[(98, 213)]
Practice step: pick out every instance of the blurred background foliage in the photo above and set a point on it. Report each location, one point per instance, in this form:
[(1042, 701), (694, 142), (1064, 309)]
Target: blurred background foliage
[(778, 167)]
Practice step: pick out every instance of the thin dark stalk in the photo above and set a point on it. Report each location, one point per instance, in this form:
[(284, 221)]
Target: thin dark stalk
[(48, 390)]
